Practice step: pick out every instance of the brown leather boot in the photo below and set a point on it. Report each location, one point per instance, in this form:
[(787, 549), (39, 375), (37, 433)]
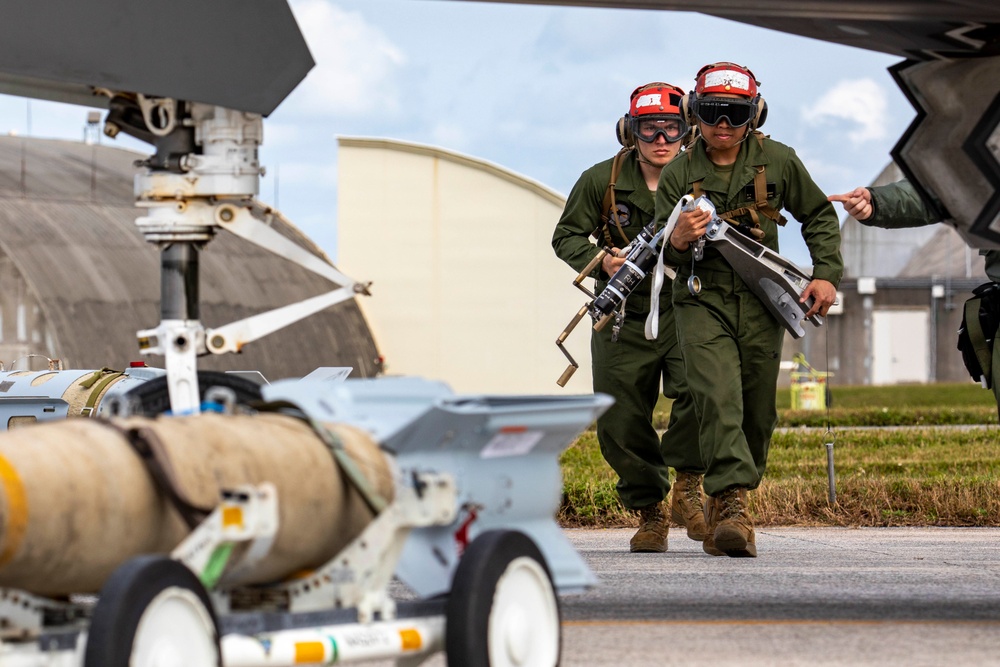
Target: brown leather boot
[(686, 506), (711, 521), (652, 533), (734, 534)]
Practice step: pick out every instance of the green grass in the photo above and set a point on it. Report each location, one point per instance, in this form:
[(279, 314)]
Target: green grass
[(899, 405), (903, 396), (919, 476), (885, 416)]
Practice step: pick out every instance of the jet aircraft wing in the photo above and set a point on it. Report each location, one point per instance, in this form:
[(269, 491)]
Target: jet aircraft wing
[(909, 28), (240, 55)]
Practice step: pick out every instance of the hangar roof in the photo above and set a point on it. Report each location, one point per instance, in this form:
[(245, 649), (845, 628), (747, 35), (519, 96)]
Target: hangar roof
[(67, 223)]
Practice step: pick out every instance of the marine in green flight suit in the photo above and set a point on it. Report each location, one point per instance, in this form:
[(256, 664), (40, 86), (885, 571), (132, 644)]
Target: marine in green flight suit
[(730, 342), (626, 365)]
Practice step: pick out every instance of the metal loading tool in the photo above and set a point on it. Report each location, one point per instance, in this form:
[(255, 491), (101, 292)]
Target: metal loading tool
[(640, 259), (578, 283), (775, 280)]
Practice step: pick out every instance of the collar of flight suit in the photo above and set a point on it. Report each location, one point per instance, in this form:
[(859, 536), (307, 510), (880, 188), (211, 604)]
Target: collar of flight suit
[(750, 157), (631, 185)]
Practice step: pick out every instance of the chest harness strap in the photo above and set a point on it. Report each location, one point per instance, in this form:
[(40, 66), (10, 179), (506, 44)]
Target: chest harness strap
[(609, 207), (760, 205), (609, 212)]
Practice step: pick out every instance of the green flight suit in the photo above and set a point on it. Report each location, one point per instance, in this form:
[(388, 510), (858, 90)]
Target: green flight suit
[(730, 342), (896, 206), (632, 368)]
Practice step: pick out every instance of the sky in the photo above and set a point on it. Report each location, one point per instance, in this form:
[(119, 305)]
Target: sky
[(535, 89)]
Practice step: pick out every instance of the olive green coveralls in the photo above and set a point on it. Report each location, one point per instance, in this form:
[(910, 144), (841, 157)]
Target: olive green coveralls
[(730, 342), (632, 368), (896, 206)]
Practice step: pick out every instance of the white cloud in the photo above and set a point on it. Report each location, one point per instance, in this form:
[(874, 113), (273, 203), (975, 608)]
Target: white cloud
[(861, 103), (355, 62)]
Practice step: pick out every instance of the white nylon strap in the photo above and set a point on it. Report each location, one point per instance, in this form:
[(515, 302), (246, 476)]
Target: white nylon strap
[(652, 328)]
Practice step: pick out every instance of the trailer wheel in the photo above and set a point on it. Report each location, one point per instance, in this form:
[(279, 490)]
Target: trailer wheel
[(502, 610), (153, 612)]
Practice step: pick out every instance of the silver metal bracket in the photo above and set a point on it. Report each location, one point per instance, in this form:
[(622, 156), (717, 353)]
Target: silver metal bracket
[(187, 199), (180, 342), (775, 280)]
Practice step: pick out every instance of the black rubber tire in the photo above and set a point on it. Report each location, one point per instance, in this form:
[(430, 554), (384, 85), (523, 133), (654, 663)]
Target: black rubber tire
[(154, 396), (123, 600), (474, 585)]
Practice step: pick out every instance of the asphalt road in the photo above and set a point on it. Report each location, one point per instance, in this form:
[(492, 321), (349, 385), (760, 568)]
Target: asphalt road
[(898, 596)]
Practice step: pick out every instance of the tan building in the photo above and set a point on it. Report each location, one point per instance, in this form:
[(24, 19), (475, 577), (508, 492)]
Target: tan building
[(466, 287)]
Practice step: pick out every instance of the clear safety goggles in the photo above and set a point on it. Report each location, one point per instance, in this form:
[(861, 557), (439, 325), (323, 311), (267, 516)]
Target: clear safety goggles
[(646, 128), (711, 110)]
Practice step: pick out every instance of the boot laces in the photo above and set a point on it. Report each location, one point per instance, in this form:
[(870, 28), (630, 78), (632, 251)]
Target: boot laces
[(651, 515), (692, 491), (732, 505)]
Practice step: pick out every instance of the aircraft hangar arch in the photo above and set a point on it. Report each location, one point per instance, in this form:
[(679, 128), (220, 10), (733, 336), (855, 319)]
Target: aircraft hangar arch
[(79, 279)]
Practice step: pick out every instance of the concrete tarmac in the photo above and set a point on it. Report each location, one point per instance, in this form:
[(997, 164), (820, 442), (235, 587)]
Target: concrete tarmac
[(814, 596)]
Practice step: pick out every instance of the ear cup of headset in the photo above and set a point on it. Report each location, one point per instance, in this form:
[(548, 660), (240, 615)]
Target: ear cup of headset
[(687, 112), (623, 131), (761, 112)]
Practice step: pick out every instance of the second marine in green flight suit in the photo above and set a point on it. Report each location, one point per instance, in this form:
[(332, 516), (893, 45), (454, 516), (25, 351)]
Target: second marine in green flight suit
[(626, 365)]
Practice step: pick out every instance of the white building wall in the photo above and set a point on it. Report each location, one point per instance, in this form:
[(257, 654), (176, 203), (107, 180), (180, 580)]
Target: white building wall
[(900, 346), (466, 287)]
